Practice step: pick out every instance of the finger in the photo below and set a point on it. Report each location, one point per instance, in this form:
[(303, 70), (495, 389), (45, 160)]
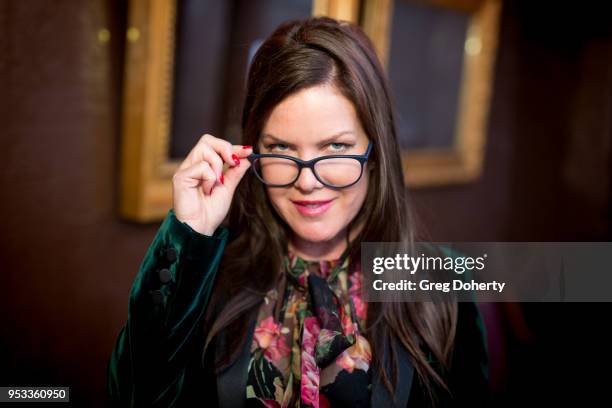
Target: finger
[(224, 148), (242, 151), (239, 154), (198, 174), (206, 143), (215, 161), (235, 174)]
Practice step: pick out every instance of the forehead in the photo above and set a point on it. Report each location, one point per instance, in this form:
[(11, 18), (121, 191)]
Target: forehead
[(313, 114)]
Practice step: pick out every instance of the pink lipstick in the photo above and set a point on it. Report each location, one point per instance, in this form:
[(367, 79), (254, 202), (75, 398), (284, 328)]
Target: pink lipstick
[(311, 208)]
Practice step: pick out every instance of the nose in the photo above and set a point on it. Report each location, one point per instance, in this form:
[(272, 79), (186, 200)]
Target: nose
[(307, 181)]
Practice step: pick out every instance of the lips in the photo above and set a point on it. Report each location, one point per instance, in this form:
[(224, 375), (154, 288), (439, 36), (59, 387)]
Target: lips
[(312, 208)]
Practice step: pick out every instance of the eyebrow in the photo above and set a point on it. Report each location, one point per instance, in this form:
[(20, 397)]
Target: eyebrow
[(321, 143)]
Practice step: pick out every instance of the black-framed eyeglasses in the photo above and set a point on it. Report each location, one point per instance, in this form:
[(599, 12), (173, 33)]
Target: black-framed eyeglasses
[(334, 171)]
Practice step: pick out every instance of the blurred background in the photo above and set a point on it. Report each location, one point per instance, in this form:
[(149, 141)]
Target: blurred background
[(82, 98)]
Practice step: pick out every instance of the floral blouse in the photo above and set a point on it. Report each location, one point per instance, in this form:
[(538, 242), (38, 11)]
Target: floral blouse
[(307, 350)]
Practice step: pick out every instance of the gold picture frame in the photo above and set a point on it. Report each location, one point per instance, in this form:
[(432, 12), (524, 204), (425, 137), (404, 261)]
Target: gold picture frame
[(146, 168), (463, 162)]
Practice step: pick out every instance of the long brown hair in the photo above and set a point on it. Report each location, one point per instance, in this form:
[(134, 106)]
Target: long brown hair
[(300, 54)]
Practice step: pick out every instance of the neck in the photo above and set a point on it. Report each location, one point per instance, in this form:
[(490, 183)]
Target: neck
[(322, 250)]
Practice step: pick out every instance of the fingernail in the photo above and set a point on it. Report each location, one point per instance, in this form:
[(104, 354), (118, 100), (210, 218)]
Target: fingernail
[(235, 159), (211, 189), (221, 178), (247, 147)]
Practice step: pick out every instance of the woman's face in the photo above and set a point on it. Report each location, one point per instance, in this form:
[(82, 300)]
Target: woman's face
[(315, 122)]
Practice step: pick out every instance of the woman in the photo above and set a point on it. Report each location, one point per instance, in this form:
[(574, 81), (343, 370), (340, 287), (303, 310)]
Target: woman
[(267, 310)]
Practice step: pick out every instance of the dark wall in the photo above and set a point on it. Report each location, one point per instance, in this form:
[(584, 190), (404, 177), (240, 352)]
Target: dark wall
[(67, 261), (547, 162), (547, 177)]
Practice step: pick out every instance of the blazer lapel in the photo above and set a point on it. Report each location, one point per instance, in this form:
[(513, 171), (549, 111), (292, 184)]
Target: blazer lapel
[(380, 395), (231, 383)]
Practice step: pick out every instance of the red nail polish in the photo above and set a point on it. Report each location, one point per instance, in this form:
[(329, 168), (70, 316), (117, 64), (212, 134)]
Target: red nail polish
[(211, 189), (235, 159), (247, 147), (221, 178)]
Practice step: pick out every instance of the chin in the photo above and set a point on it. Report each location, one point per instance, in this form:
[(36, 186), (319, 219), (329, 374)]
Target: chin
[(315, 232)]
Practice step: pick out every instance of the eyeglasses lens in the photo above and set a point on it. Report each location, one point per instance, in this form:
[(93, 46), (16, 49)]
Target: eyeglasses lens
[(335, 172)]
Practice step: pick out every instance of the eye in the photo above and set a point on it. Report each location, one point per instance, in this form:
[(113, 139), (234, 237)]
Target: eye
[(340, 147), (279, 146)]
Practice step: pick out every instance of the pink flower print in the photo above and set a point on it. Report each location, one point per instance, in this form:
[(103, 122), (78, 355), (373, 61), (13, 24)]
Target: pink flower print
[(277, 349), (324, 268), (326, 336), (358, 356), (310, 371), (266, 332), (355, 294), (360, 307), (345, 361), (268, 337), (348, 326), (311, 332), (355, 279), (310, 388)]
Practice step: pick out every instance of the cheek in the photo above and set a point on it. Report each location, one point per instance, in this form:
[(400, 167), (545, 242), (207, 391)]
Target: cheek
[(354, 197), (278, 200), (283, 205)]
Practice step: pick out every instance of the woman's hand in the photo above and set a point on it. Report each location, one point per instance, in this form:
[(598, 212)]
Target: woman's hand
[(202, 192)]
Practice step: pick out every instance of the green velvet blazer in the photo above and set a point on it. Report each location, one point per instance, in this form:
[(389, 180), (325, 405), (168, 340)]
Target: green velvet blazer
[(157, 359)]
